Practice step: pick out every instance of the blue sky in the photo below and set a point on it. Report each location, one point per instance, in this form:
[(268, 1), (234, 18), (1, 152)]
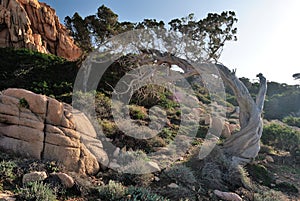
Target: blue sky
[(268, 30)]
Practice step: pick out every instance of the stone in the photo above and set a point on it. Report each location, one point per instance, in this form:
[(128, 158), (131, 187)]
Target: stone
[(207, 120), (65, 179), (6, 197), (234, 127), (269, 159), (228, 196), (55, 131), (37, 103), (114, 165), (226, 130), (88, 162), (173, 185), (34, 25), (33, 177), (217, 125), (55, 112), (116, 152), (153, 166), (21, 140)]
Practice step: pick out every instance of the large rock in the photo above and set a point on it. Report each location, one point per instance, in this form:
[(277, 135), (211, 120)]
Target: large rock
[(34, 25), (43, 128), (33, 177)]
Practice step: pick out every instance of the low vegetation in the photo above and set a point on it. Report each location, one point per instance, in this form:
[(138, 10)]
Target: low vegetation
[(191, 179)]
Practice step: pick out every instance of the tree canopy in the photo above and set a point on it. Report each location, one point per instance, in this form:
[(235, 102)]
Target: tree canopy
[(211, 33)]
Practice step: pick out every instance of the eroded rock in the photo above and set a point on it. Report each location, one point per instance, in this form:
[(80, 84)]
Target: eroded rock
[(44, 128), (35, 25)]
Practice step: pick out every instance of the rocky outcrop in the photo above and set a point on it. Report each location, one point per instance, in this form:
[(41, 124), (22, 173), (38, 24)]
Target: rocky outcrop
[(34, 25), (40, 127)]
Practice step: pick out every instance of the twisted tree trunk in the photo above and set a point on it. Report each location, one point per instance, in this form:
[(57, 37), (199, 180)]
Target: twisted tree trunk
[(244, 146)]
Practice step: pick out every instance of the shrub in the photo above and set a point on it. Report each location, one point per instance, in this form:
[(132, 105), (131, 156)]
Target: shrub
[(260, 174), (6, 170), (181, 174), (212, 175), (167, 134), (109, 127), (37, 191), (112, 191), (142, 194), (103, 106), (40, 73), (269, 195), (52, 166), (282, 137), (138, 112), (292, 121)]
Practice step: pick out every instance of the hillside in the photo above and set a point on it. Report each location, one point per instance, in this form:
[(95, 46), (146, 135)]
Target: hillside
[(274, 175)]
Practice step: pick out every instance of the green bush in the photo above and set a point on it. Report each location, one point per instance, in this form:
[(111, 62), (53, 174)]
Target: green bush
[(7, 170), (37, 191), (167, 134), (260, 174), (269, 195), (292, 121), (112, 191), (141, 194), (181, 174), (40, 73), (281, 137), (137, 112)]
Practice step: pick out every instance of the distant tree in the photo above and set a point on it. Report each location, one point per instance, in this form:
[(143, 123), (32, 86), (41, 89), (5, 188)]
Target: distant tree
[(210, 33), (79, 31)]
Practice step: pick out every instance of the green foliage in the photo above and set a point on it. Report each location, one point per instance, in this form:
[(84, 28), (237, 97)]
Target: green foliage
[(211, 33), (137, 112), (37, 191), (40, 73), (292, 121), (268, 195), (167, 134), (23, 103), (212, 175), (103, 106), (112, 191), (7, 170), (116, 191), (284, 104), (181, 174), (79, 31), (166, 101), (282, 100), (281, 136), (52, 166), (286, 187), (141, 194), (260, 174)]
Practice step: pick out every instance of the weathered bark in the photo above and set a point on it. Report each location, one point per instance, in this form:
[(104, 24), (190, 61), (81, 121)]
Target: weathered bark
[(244, 146)]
